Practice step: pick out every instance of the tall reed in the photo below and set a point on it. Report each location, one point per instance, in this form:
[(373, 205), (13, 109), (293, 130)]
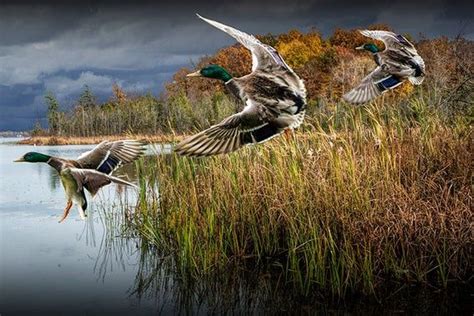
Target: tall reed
[(358, 197)]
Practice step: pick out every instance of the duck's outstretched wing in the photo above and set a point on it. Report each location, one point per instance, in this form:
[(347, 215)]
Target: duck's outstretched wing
[(391, 40), (108, 156), (274, 96), (264, 57), (373, 85), (255, 124), (93, 180)]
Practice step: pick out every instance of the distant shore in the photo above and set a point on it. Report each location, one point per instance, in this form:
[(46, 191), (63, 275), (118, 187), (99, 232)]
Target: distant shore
[(83, 140)]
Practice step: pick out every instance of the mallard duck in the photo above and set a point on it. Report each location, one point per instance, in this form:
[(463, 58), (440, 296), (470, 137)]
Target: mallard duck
[(274, 98), (398, 62), (91, 170)]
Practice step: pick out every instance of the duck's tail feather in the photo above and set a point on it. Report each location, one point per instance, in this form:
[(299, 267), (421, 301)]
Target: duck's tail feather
[(82, 210), (416, 80), (121, 181)]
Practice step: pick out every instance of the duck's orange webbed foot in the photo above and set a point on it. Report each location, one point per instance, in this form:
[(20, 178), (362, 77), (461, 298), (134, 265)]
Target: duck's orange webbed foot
[(66, 211)]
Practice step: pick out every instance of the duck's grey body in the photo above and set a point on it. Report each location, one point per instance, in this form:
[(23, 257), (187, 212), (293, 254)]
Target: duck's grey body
[(91, 171), (402, 63), (277, 90), (283, 107)]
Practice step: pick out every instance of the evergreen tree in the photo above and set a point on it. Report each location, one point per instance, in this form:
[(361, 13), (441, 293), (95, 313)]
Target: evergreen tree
[(53, 113), (87, 98)]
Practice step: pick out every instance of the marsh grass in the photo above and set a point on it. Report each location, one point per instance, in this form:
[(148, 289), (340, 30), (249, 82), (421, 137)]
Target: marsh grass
[(91, 140), (356, 198)]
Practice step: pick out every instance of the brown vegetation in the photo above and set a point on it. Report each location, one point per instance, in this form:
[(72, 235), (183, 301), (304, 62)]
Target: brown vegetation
[(78, 140), (360, 196), (330, 67)]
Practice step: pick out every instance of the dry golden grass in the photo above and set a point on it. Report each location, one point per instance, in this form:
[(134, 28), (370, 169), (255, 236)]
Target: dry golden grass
[(78, 140), (367, 195)]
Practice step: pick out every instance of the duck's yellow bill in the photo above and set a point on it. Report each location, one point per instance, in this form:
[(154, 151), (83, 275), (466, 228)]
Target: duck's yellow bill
[(21, 159), (194, 74)]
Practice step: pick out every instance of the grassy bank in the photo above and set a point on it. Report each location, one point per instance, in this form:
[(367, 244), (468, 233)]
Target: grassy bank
[(359, 197), (82, 140)]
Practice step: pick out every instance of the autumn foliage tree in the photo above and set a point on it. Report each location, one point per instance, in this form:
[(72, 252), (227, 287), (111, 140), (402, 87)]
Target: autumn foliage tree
[(329, 67), (298, 49), (332, 67), (119, 96), (312, 57)]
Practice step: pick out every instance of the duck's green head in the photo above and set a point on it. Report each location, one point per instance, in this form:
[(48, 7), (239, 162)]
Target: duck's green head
[(369, 47), (33, 157), (212, 71)]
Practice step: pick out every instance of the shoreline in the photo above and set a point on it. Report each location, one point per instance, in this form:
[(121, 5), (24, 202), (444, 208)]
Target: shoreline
[(90, 140)]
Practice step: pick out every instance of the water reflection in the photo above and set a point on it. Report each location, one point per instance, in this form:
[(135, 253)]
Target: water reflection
[(99, 266), (77, 267), (263, 290)]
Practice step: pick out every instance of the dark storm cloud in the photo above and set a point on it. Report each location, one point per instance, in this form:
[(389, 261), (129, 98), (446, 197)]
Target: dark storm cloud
[(62, 45), (25, 24)]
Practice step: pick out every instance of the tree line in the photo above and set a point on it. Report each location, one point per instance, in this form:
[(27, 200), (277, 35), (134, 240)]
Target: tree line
[(329, 68)]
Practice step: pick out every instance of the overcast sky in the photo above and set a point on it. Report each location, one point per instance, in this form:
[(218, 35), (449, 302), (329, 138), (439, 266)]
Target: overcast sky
[(50, 46)]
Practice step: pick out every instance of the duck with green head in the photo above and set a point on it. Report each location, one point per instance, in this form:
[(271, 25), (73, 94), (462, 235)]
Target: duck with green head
[(273, 95), (369, 47), (212, 72), (398, 62), (91, 170)]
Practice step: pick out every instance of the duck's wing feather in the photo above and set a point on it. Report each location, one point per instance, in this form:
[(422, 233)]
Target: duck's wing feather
[(271, 107), (255, 124), (373, 85), (93, 180), (264, 57), (108, 156), (391, 40)]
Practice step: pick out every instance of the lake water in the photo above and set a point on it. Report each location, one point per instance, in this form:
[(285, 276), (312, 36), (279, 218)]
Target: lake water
[(85, 267), (75, 266)]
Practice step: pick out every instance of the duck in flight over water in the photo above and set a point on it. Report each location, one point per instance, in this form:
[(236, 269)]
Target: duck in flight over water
[(91, 171)]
